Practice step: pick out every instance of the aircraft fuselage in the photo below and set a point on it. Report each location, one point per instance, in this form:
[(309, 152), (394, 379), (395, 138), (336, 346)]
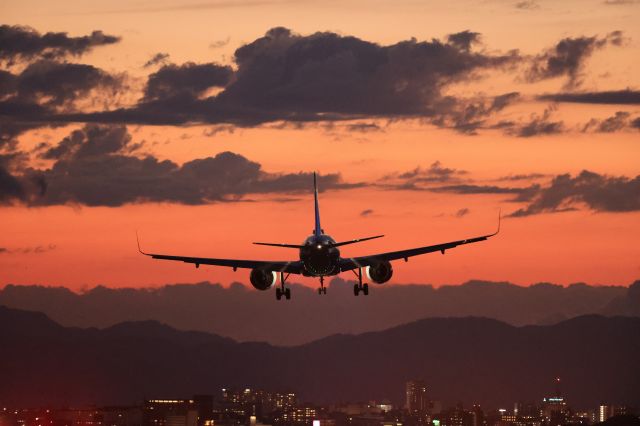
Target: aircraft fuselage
[(319, 257)]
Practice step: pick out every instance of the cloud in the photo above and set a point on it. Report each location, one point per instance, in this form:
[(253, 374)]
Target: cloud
[(435, 173), (297, 79), (620, 2), (367, 212), (468, 189), (189, 80), (621, 97), (347, 75), (527, 5), (284, 76), (447, 180), (90, 141), (598, 192), (363, 127), (469, 116), (636, 123), (567, 58), (464, 39), (17, 186), (563, 193), (219, 43), (538, 125), (158, 58), (94, 166), (33, 97), (20, 43), (48, 83), (462, 212), (29, 250), (615, 123), (516, 177), (10, 186)]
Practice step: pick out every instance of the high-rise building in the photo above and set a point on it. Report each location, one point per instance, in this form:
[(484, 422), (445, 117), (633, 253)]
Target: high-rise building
[(169, 412), (554, 409), (607, 411), (417, 401)]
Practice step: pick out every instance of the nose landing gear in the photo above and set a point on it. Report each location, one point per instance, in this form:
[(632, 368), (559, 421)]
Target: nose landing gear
[(322, 289), (360, 287), (282, 290)]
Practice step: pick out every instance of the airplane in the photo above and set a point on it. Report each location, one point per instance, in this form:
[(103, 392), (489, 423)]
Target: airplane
[(319, 256)]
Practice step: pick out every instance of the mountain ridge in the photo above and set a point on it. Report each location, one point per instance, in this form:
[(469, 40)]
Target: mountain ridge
[(475, 360), (235, 311)]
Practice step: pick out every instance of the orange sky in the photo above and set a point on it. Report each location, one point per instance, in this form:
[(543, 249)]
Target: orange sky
[(87, 246)]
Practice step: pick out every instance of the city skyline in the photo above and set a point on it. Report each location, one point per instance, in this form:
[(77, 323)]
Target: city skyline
[(251, 406)]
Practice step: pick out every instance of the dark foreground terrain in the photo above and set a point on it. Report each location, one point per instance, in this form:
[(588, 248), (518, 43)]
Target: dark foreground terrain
[(462, 359)]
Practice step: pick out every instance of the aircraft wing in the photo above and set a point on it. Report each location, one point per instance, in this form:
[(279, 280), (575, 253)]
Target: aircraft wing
[(293, 267), (347, 264)]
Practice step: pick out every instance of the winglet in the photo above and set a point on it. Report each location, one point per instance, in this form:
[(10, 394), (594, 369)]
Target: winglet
[(499, 220), (138, 241)]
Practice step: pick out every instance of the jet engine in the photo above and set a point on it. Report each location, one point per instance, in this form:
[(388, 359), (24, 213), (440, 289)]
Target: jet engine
[(380, 272), (262, 279)]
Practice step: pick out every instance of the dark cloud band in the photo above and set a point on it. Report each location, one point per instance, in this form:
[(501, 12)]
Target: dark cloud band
[(95, 166), (613, 97), (18, 43)]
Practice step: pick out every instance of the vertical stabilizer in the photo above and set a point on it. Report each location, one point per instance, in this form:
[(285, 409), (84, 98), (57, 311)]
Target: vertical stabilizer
[(318, 229)]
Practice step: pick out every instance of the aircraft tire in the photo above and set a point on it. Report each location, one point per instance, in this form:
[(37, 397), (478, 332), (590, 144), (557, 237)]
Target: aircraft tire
[(365, 289)]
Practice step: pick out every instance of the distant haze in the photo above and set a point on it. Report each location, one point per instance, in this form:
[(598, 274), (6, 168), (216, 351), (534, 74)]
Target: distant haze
[(245, 314)]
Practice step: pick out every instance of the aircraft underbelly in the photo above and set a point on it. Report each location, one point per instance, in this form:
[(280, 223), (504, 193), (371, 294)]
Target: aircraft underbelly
[(320, 265)]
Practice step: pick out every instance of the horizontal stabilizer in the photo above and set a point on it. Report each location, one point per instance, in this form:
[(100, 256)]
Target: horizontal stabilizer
[(344, 243), (296, 246)]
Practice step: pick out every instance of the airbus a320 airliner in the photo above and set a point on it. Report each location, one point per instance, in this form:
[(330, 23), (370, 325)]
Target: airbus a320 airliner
[(319, 256)]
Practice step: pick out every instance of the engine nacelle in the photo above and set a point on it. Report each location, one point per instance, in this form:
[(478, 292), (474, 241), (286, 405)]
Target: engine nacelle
[(380, 273), (262, 279)]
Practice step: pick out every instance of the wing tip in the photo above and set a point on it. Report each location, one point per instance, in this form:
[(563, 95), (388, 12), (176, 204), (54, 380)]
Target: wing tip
[(138, 241), (499, 222)]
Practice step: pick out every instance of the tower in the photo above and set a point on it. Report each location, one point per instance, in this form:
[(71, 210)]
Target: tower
[(416, 397)]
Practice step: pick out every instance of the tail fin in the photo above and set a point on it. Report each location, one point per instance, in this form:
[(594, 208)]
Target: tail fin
[(318, 229)]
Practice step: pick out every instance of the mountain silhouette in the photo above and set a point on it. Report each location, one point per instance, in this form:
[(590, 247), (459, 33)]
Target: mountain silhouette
[(236, 311), (474, 360)]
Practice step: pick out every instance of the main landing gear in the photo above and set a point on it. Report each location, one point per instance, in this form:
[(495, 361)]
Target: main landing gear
[(282, 290), (357, 288), (322, 289)]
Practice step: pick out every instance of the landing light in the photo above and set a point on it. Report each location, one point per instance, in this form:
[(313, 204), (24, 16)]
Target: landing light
[(319, 246)]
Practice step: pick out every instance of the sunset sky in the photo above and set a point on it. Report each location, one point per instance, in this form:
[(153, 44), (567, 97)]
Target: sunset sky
[(199, 124)]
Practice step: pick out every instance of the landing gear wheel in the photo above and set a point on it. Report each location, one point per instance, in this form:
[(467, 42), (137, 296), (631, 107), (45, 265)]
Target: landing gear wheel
[(319, 291), (287, 293), (357, 288), (324, 290), (278, 294)]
